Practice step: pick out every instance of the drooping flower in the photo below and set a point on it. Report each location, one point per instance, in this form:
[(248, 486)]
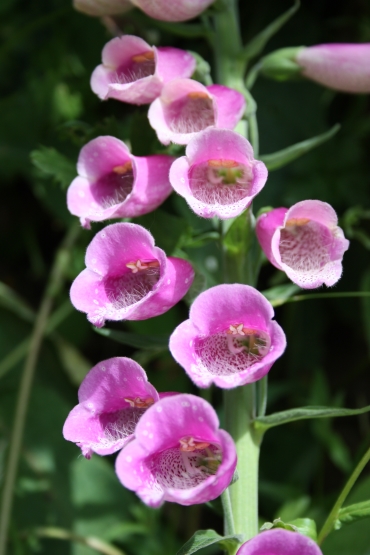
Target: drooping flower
[(176, 10), (186, 107), (179, 454), (112, 183), (127, 277), (344, 67), (305, 242), (100, 8), (219, 175), (230, 338), (112, 398), (280, 542), (134, 72)]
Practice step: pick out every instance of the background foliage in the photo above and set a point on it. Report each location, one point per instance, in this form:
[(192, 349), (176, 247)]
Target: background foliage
[(47, 113)]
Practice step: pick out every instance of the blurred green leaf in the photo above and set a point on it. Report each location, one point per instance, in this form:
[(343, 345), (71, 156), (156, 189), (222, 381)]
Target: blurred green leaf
[(204, 538), (287, 155), (74, 363), (354, 221), (351, 513), (279, 294), (166, 229), (365, 304), (54, 164), (139, 341), (10, 300), (294, 508)]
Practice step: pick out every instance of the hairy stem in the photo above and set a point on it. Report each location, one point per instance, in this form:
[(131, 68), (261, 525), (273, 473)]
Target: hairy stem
[(52, 288), (229, 526)]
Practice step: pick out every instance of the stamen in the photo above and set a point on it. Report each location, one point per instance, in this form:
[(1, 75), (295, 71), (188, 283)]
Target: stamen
[(198, 94), (139, 402), (297, 221), (144, 57), (124, 168), (236, 329), (253, 342), (140, 265), (223, 163), (188, 444)]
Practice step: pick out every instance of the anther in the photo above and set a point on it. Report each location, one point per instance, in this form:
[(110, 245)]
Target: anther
[(124, 168), (297, 221), (189, 444), (140, 265), (139, 402), (144, 57), (198, 94)]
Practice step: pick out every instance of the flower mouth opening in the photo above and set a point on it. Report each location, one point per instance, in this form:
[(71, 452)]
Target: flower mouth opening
[(118, 425), (138, 67), (114, 187), (305, 245), (134, 284), (191, 113), (186, 465), (220, 181)]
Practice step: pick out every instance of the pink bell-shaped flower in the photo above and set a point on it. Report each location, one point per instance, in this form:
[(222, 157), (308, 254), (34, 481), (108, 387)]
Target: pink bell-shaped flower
[(230, 338), (219, 175), (187, 107), (127, 277), (305, 242), (344, 67), (179, 454), (175, 10), (112, 398), (280, 542), (134, 72), (112, 183)]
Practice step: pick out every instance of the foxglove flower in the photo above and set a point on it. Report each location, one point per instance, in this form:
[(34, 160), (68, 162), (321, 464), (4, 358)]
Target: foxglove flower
[(112, 398), (127, 277), (219, 175), (187, 107), (101, 8), (179, 454), (176, 10), (344, 67), (305, 242), (112, 183), (134, 72), (229, 339), (280, 542)]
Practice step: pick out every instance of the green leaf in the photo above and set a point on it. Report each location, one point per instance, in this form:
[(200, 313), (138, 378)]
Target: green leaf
[(355, 220), (166, 229), (204, 538), (303, 413), (258, 43), (279, 294), (54, 164), (351, 513), (304, 526), (10, 300), (283, 157), (139, 341)]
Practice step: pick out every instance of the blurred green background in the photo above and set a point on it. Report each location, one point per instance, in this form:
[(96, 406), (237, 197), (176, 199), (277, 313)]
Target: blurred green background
[(47, 113)]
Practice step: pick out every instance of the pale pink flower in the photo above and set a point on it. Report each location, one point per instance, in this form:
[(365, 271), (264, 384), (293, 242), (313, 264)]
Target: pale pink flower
[(112, 183), (186, 107), (179, 454), (134, 72), (127, 277), (112, 398), (305, 242), (280, 542), (344, 67), (173, 10), (219, 175), (230, 338)]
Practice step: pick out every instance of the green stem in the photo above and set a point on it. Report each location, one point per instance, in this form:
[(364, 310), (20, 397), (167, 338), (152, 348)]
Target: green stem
[(229, 526), (90, 541), (262, 395), (52, 288), (333, 515)]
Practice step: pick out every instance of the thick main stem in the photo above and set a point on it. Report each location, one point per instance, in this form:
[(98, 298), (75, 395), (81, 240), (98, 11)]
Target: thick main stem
[(53, 287)]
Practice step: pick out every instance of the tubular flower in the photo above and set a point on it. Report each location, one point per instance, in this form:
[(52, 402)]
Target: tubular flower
[(219, 175), (112, 398), (134, 72), (187, 107), (100, 8), (280, 542), (229, 339), (179, 454), (112, 183), (344, 67), (305, 242), (176, 10), (127, 277)]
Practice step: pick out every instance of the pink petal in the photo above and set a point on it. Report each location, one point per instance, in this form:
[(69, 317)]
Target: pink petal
[(180, 10), (230, 105), (266, 226), (280, 542)]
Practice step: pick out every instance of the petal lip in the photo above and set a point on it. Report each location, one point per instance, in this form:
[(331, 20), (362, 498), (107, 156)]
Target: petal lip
[(174, 11), (280, 542)]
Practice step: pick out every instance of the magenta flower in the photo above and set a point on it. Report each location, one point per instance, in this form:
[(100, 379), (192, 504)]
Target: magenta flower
[(179, 454), (305, 242), (112, 398), (187, 107), (230, 339), (344, 67), (134, 72), (219, 175), (176, 10), (112, 183), (127, 277), (280, 542)]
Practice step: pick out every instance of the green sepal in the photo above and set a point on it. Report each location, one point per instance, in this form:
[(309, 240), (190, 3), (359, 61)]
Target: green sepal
[(202, 70), (304, 526), (281, 64), (351, 513), (136, 340), (264, 423), (204, 538), (283, 157)]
